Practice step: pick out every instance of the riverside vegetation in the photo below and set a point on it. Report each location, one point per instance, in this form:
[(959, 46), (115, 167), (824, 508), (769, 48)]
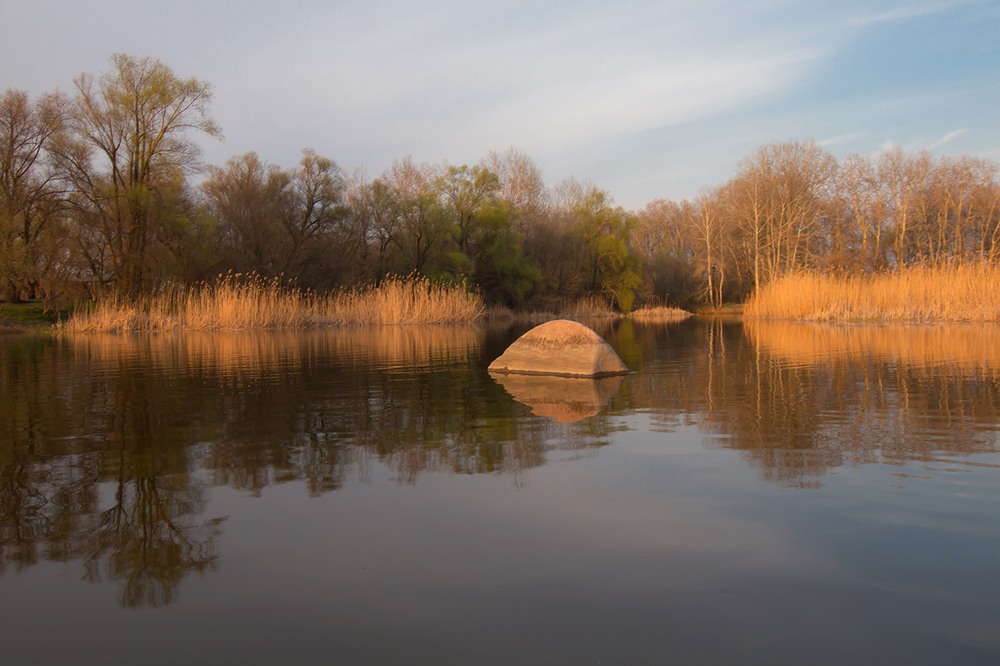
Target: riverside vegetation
[(238, 303), (918, 294), (92, 210)]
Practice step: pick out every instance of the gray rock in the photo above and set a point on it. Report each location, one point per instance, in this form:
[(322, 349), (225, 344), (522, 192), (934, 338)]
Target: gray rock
[(563, 348)]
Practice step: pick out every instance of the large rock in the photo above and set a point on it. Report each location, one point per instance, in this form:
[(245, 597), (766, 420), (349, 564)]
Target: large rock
[(564, 348)]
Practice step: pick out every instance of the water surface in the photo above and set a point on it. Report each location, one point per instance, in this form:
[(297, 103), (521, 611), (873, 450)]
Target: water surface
[(774, 493)]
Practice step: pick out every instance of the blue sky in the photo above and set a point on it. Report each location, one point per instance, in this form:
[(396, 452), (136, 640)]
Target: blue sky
[(643, 99)]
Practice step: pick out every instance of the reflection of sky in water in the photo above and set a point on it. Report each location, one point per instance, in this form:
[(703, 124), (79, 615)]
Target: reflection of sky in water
[(372, 509)]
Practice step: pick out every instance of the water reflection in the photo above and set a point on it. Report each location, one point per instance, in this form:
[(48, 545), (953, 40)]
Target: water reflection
[(109, 445), (800, 400), (561, 399), (969, 347)]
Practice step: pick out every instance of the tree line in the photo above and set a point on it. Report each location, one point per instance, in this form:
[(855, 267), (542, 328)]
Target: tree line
[(98, 193)]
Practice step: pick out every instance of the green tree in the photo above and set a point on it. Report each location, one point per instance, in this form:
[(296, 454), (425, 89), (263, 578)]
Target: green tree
[(422, 228), (606, 229), (468, 191), (128, 142)]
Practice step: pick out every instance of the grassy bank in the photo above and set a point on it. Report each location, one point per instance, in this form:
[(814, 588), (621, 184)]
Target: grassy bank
[(241, 304), (915, 294), (20, 317)]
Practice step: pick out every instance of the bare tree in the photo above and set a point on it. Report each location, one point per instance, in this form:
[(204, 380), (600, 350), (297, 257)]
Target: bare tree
[(903, 177), (777, 200), (250, 201), (866, 207), (521, 185), (711, 233), (29, 195)]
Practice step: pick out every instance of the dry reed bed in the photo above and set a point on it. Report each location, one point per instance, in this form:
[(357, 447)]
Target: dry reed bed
[(917, 294), (240, 303), (659, 314)]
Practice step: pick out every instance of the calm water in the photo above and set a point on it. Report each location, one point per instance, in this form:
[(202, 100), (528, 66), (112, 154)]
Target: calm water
[(772, 494)]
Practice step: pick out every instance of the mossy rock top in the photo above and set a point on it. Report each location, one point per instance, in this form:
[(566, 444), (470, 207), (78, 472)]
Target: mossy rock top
[(561, 348)]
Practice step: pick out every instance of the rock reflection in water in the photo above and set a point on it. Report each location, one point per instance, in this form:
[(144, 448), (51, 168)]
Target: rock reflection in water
[(561, 399)]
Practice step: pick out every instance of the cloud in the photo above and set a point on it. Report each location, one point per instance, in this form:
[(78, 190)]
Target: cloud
[(622, 92), (904, 13), (954, 134), (840, 138), (448, 84)]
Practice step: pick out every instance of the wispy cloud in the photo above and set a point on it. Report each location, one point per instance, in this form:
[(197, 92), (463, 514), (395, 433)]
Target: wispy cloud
[(839, 139), (581, 77), (950, 136), (905, 13)]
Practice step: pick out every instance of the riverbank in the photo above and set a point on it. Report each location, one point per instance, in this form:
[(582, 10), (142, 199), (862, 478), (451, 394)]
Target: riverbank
[(28, 317), (585, 310), (237, 303), (911, 295), (249, 303)]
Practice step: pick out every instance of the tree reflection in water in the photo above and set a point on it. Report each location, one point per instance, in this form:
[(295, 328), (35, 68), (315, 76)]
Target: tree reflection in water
[(105, 439), (109, 445)]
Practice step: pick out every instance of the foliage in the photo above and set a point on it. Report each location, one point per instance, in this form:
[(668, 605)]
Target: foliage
[(124, 153)]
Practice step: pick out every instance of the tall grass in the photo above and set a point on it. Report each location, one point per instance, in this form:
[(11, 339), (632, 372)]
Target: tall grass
[(659, 313), (246, 302), (918, 294)]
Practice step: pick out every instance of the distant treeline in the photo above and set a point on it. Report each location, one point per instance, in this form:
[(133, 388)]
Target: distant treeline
[(102, 191)]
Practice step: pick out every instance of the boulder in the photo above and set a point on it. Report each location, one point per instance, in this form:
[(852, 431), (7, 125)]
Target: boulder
[(563, 348)]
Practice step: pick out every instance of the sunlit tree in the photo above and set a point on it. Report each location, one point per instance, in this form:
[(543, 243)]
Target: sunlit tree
[(129, 140)]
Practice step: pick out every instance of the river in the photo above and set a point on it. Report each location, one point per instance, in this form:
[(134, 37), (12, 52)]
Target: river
[(759, 493)]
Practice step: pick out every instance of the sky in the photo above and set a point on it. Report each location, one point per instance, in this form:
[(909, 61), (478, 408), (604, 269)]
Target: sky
[(645, 100)]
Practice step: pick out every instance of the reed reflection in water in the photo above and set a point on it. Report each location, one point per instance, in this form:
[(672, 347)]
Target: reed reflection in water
[(802, 399)]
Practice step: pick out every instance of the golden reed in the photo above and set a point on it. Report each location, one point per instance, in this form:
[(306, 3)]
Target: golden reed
[(917, 294), (239, 302), (659, 314)]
